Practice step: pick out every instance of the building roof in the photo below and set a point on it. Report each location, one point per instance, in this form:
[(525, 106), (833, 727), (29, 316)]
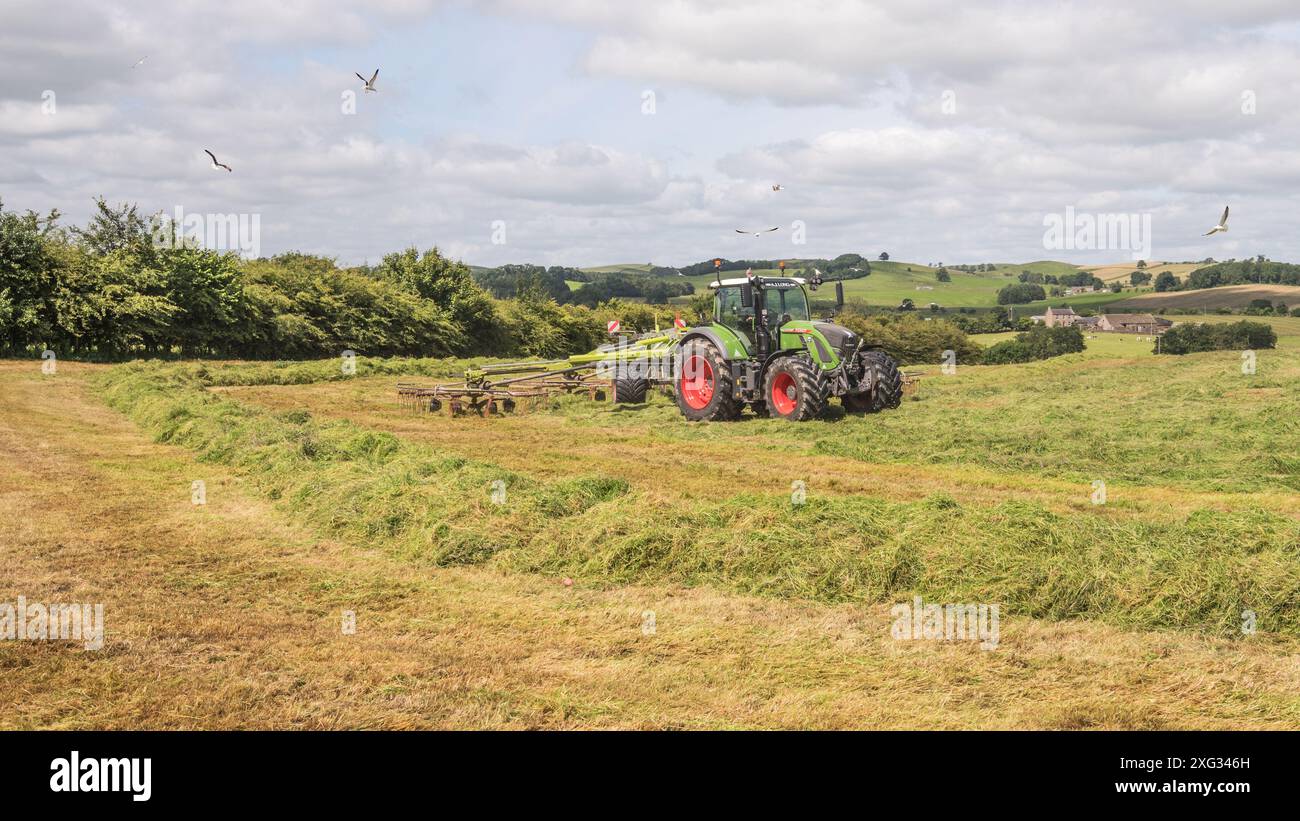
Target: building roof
[(1058, 311), (1130, 319)]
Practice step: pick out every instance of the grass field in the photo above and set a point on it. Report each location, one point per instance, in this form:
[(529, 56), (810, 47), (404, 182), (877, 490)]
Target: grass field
[(891, 282), (325, 495)]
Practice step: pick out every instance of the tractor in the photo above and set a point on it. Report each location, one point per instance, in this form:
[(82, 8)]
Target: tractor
[(763, 349)]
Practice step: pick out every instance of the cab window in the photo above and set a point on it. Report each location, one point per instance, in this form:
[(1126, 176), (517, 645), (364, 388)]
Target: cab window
[(729, 311)]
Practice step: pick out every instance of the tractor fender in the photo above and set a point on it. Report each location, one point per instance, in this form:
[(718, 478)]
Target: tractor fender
[(709, 336), (773, 357)]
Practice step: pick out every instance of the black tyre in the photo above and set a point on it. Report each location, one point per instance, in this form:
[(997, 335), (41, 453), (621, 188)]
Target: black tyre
[(630, 391), (886, 382), (703, 387), (795, 389)]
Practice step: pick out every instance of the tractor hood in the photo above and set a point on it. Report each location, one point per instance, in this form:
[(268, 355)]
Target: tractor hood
[(841, 338)]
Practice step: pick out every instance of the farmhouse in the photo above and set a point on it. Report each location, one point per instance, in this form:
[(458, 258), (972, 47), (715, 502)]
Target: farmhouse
[(1059, 317), (1132, 323)]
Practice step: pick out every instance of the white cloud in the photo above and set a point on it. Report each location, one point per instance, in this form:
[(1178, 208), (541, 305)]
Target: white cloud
[(1109, 106)]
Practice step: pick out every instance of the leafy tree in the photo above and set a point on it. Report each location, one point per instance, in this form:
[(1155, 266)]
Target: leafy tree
[(114, 229), (1040, 342), (1195, 337), (1020, 294), (451, 287), (1166, 281)]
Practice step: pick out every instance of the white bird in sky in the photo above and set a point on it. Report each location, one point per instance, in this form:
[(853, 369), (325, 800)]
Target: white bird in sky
[(369, 84), (216, 164), (141, 60), (758, 233), (1223, 223)]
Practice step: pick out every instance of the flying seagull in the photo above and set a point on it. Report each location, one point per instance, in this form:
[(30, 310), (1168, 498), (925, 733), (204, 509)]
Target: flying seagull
[(370, 84), (1222, 226), (758, 233), (141, 60), (216, 164), (777, 187)]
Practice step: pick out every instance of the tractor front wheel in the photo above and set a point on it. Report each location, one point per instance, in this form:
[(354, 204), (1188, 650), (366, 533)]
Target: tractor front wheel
[(704, 389), (795, 389), (886, 385)]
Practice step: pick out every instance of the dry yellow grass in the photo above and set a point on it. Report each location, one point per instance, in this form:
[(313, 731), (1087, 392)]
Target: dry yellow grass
[(228, 615), (1123, 270)]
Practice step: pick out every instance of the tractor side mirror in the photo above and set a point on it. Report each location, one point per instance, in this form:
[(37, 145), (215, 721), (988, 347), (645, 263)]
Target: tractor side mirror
[(747, 296), (839, 295)]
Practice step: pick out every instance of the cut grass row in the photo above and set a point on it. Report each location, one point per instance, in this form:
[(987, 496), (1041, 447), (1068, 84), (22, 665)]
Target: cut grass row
[(1199, 573)]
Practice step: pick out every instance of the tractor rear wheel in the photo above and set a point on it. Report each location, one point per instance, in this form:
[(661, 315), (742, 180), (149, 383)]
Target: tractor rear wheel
[(630, 391), (795, 389), (886, 384), (704, 389)]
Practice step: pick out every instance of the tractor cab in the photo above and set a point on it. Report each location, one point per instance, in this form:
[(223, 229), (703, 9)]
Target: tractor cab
[(772, 302)]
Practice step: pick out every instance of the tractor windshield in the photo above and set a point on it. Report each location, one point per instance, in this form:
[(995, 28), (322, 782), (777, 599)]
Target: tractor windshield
[(786, 301)]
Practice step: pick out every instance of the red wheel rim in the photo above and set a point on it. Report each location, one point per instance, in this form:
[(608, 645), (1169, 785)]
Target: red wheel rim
[(697, 382), (783, 394)]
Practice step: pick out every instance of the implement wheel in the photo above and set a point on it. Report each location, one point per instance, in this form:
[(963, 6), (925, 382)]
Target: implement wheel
[(630, 391)]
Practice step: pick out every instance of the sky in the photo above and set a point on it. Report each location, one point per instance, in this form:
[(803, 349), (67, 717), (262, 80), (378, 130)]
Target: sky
[(592, 132)]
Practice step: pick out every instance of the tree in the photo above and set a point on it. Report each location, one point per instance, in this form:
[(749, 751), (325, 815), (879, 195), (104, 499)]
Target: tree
[(884, 257), (1021, 293), (451, 287), (942, 275), (1139, 278), (1142, 263), (1166, 281), (114, 229)]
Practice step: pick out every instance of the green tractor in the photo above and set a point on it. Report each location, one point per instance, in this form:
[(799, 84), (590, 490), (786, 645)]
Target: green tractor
[(763, 349)]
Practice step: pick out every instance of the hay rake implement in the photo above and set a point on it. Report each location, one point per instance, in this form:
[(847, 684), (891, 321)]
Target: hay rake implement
[(486, 393)]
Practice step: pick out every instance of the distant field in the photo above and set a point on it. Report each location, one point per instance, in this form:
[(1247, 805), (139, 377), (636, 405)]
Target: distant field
[(891, 282), (1093, 303), (1231, 296), (1123, 270), (633, 267)]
